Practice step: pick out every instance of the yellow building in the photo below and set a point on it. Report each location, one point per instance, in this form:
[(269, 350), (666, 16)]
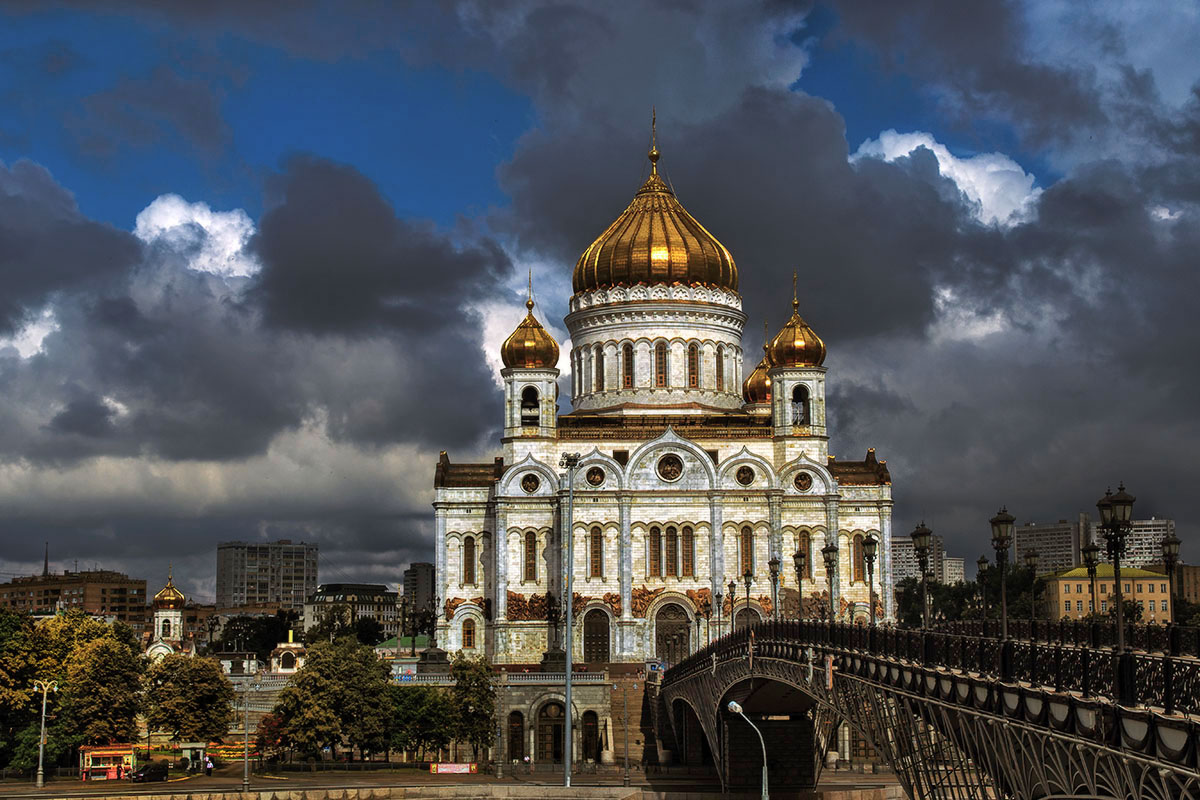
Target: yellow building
[(1069, 592)]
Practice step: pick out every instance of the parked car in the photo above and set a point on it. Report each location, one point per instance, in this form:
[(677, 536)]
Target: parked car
[(150, 771)]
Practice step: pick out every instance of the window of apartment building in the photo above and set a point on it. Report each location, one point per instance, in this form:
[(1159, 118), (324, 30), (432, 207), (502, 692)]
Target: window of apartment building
[(1066, 605), (1104, 605), (1066, 588), (1079, 605)]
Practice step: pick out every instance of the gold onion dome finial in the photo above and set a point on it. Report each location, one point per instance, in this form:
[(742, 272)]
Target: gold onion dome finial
[(797, 345), (757, 387), (655, 241), (169, 596), (530, 346)]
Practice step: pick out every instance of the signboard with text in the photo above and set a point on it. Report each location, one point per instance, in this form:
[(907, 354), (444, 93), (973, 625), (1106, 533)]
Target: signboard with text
[(454, 769)]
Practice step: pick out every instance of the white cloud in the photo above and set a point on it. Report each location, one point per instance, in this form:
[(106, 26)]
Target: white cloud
[(499, 317), (28, 341), (958, 321), (213, 241), (999, 190)]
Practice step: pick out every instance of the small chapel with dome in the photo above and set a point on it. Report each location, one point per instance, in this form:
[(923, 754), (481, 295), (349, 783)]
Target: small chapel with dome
[(167, 633), (697, 485)]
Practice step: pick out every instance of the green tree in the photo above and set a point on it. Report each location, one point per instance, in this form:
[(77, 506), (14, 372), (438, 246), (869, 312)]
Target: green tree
[(258, 634), (474, 696), (422, 718), (335, 697), (190, 698), (333, 622), (369, 631), (17, 671), (102, 696), (270, 737)]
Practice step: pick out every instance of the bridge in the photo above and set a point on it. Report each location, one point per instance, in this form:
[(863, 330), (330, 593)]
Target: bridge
[(959, 713)]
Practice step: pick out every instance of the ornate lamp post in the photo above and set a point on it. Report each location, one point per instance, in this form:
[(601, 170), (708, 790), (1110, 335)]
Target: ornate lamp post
[(773, 564), (1031, 561), (706, 612), (748, 577), (798, 560), (1091, 558), (46, 687), (570, 461), (736, 708), (720, 598), (830, 553), (870, 546), (1170, 552), (982, 567), (1116, 511), (1002, 529), (732, 603), (921, 538)]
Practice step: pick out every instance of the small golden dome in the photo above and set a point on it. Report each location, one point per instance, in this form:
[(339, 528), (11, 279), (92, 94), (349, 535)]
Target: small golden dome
[(655, 241), (757, 388), (797, 345), (169, 596), (530, 346)]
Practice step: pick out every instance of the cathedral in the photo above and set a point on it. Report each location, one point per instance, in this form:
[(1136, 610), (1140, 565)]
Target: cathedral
[(704, 498)]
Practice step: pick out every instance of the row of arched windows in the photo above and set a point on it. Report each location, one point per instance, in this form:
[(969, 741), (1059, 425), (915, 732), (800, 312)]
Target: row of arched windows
[(671, 552), (660, 371)]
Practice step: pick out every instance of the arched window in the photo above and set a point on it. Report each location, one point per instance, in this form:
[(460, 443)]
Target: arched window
[(693, 356), (598, 384), (804, 542), (720, 369), (468, 634), (468, 565), (672, 552), (689, 553), (654, 563), (800, 415), (531, 556), (627, 367), (596, 562), (529, 406), (859, 566), (287, 660), (166, 629), (591, 737), (747, 550), (660, 364), (516, 736)]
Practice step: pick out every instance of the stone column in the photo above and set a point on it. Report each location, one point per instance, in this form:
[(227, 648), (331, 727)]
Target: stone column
[(831, 526), (884, 573), (716, 544), (625, 624), (774, 506), (500, 543), (441, 579)]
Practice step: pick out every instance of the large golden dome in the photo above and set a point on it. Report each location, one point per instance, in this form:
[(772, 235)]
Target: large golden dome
[(169, 596), (757, 388), (797, 345), (655, 241), (529, 345)]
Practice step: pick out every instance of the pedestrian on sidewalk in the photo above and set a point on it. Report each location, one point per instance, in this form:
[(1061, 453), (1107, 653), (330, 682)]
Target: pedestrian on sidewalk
[(208, 766)]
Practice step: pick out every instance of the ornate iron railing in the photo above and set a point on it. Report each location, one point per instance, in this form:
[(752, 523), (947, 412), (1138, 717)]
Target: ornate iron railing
[(1140, 677), (1176, 640)]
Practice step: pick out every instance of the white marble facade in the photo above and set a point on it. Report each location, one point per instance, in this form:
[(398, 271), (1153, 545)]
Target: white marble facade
[(680, 487)]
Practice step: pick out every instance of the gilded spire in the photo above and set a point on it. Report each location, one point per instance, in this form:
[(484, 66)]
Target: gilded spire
[(529, 298), (653, 154), (795, 300)]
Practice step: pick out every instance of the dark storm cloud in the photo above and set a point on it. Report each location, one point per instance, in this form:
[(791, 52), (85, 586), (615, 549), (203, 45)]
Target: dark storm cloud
[(47, 246), (336, 258), (143, 111)]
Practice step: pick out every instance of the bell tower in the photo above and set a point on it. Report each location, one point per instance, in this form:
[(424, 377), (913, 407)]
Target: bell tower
[(530, 374), (798, 383)]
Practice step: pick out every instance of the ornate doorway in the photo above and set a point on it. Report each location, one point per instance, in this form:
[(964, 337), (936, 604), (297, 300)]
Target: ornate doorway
[(746, 616), (595, 636), (591, 737), (672, 634), (550, 734), (516, 736)]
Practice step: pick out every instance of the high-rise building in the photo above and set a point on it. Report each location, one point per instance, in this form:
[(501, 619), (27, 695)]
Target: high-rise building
[(418, 584), (904, 559), (953, 570), (101, 592), (258, 573), (1143, 544), (1058, 544)]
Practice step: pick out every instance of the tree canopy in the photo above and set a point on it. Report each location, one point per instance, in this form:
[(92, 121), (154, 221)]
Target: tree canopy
[(189, 698)]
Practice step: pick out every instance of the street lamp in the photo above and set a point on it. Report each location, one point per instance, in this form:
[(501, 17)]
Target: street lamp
[(773, 564), (748, 577), (736, 708), (870, 544), (246, 731), (921, 537), (982, 565), (1002, 529), (1170, 551), (1116, 511), (720, 597), (1031, 561), (798, 560), (830, 553), (570, 461), (625, 715), (732, 603), (46, 687), (1091, 557)]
